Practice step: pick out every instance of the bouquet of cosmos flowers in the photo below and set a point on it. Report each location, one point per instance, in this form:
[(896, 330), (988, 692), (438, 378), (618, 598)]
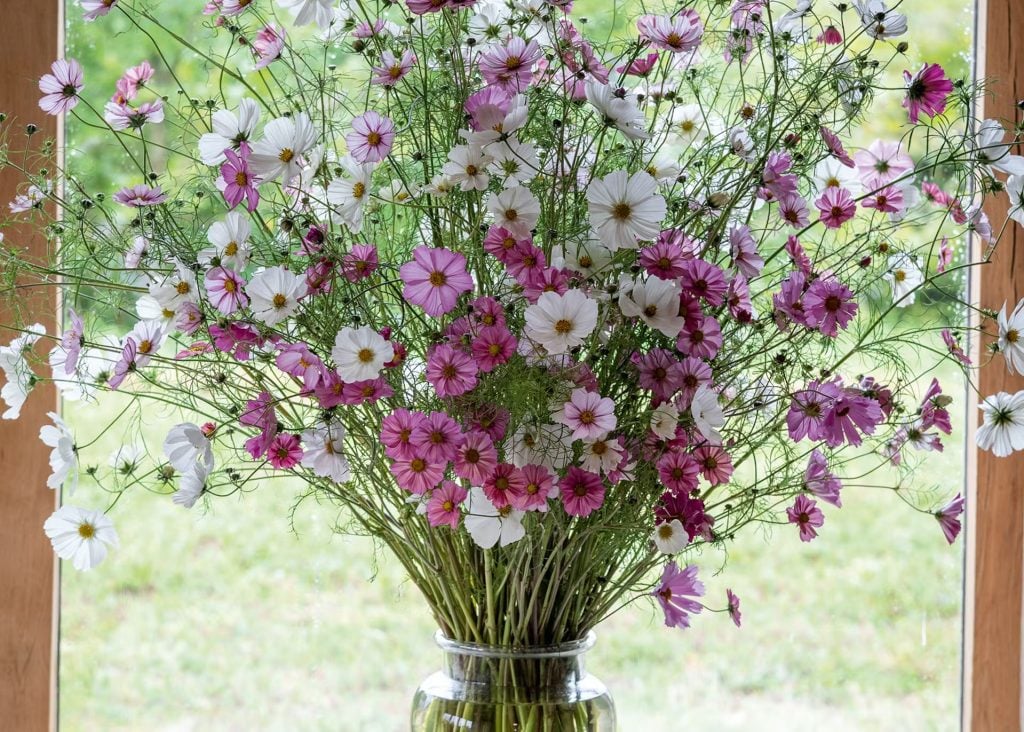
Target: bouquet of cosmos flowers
[(546, 316)]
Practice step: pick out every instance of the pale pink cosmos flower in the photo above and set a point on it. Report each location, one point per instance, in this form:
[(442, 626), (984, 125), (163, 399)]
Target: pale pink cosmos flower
[(835, 147), (678, 34), (948, 518), (297, 360), (505, 485), (820, 481), (72, 341), (511, 67), (367, 391), (125, 365), (807, 516), (734, 607), (926, 91), (887, 200), (391, 70), (371, 137), (743, 251), (124, 116), (882, 162), (582, 492), (285, 451), (450, 371), (93, 9), (435, 279), (226, 290), (267, 45), (676, 592), (416, 474), (61, 87), (589, 415), (443, 505), (140, 196), (133, 79), (476, 458)]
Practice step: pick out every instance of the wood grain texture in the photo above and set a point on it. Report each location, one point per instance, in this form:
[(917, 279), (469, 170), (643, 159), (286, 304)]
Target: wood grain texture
[(31, 35), (992, 693)]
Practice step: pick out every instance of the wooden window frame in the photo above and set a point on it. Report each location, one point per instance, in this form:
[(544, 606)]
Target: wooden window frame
[(32, 37)]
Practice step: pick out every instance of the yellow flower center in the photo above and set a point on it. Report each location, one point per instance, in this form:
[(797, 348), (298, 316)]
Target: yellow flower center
[(286, 155), (365, 355), (86, 530)]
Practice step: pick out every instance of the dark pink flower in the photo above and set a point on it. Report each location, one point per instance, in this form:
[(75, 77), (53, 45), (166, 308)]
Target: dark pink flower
[(366, 392), (948, 518), (505, 485), (797, 255), (371, 137), (437, 438), (789, 301), (416, 474), (714, 463), (491, 420), (525, 262), (539, 485), (285, 451), (888, 200), (125, 365), (933, 409), (734, 607), (849, 416), (704, 280), (678, 471), (360, 262), (738, 298), (793, 210), (830, 305), (550, 280), (640, 67), (443, 505), (435, 279), (819, 481), (582, 492), (450, 371), (60, 88), (693, 373), (701, 338), (476, 458), (954, 347), (664, 259), (493, 346), (239, 180), (926, 91), (675, 594), (396, 431), (807, 516), (688, 510), (829, 37), (837, 207), (807, 411), (499, 242), (660, 372), (835, 147)]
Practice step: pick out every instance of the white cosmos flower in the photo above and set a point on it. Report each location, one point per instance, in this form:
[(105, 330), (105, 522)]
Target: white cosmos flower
[(230, 240), (320, 12), (707, 414), (186, 446), (81, 535), (625, 209), (63, 456), (831, 173), (623, 112), (741, 144), (125, 459), (20, 379), (664, 420), (654, 300), (1011, 337), (1015, 191), (149, 337), (560, 322), (175, 288), (513, 161), (905, 277), (670, 537), (229, 130), (360, 353), (688, 124), (284, 141), (992, 152), (664, 168), (274, 294), (350, 193), (467, 167), (489, 525), (879, 21), (549, 445), (515, 209), (190, 486), (1003, 430), (588, 258), (323, 452), (601, 456)]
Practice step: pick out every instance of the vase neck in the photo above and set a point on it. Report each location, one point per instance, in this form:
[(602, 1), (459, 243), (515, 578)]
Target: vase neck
[(535, 666)]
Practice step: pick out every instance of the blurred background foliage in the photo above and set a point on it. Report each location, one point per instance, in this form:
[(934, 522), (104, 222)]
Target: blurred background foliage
[(255, 615)]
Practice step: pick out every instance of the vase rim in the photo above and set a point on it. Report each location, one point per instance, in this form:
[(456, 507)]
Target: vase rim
[(484, 650)]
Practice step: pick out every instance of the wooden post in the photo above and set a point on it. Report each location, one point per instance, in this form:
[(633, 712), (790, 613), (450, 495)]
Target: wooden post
[(32, 34), (995, 529)]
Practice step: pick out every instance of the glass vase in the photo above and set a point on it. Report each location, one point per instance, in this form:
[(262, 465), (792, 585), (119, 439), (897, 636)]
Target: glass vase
[(499, 689)]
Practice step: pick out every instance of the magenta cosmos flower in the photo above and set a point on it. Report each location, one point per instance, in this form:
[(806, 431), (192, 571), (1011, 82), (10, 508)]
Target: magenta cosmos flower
[(675, 594), (734, 607), (371, 137), (837, 207), (450, 371), (437, 438), (285, 451), (948, 518), (714, 463), (926, 91), (396, 432), (60, 88), (807, 516), (539, 482), (493, 346), (820, 481), (678, 471), (505, 486), (849, 416), (582, 492), (360, 262), (435, 279), (239, 181), (589, 415), (704, 280), (391, 69), (477, 458), (830, 304), (416, 475), (443, 506), (835, 147), (140, 196), (224, 287)]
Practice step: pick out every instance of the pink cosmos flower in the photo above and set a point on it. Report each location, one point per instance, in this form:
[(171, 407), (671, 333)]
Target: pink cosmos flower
[(664, 260), (297, 360), (488, 312), (437, 438), (775, 175), (933, 409), (392, 70), (72, 341), (371, 137), (237, 339), (837, 207), (133, 79), (701, 338), (743, 250), (679, 34), (926, 91), (675, 594), (948, 518), (123, 116), (225, 288), (945, 256), (887, 200), (239, 180), (738, 299), (954, 347), (806, 417), (835, 147), (477, 458), (443, 505), (396, 431), (714, 463), (93, 9), (525, 262), (499, 243), (797, 255), (704, 280), (660, 372), (366, 392), (61, 87), (267, 45), (829, 37), (435, 279), (849, 416), (550, 280), (422, 7), (830, 304), (140, 196), (451, 372), (505, 485), (416, 474), (805, 514), (582, 492), (488, 108), (693, 373), (285, 451), (125, 365), (640, 67), (510, 67), (688, 510), (793, 210), (589, 415), (881, 163), (678, 471), (360, 262), (259, 412), (493, 346), (319, 277), (491, 420), (539, 487), (819, 481)]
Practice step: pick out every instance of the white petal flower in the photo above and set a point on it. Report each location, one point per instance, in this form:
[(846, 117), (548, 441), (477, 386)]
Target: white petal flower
[(190, 486), (992, 152), (323, 452), (561, 322), (81, 535), (274, 294), (1003, 430), (187, 445), (1011, 337), (278, 154), (360, 353), (320, 12), (623, 112), (670, 537), (467, 167), (707, 414), (664, 420), (549, 445), (17, 372), (655, 301), (63, 456), (905, 277), (229, 130), (1015, 192), (350, 193), (625, 209), (489, 525), (230, 240), (515, 209)]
